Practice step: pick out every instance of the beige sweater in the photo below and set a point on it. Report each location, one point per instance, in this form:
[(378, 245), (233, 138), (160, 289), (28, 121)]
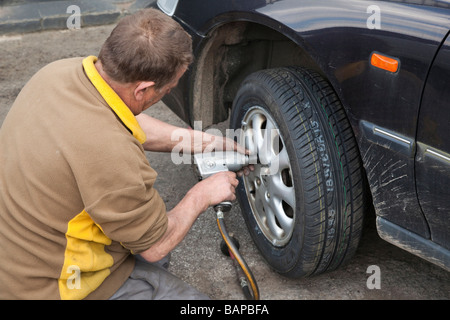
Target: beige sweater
[(76, 190)]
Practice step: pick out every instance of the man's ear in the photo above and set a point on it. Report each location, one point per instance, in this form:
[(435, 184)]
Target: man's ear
[(140, 89)]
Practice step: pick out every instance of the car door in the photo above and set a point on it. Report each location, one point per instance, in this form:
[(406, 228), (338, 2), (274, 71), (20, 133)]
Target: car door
[(433, 149)]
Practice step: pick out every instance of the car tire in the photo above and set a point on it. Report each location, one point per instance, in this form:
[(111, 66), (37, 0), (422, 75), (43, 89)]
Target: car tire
[(303, 204)]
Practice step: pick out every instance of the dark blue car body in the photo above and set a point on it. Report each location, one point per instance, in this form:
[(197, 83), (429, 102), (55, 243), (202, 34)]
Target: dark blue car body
[(401, 119)]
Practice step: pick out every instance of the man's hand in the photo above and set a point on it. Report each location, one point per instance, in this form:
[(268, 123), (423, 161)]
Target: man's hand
[(211, 191), (217, 188)]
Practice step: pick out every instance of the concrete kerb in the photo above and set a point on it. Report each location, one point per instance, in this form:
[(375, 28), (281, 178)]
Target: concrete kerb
[(33, 16)]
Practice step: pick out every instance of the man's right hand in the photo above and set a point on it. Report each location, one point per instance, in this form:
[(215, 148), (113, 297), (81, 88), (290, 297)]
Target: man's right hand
[(217, 188), (211, 191)]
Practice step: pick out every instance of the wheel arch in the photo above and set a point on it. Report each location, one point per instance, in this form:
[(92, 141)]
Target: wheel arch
[(229, 53)]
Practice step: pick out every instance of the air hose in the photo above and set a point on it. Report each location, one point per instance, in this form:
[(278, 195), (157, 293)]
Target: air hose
[(235, 255)]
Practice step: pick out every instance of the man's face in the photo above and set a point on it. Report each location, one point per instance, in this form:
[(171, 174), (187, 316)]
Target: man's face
[(152, 95)]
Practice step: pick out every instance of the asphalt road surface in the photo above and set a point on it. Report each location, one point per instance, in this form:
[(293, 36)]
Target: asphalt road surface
[(198, 259)]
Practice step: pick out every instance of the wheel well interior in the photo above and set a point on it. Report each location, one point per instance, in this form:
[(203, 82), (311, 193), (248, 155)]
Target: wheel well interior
[(232, 52)]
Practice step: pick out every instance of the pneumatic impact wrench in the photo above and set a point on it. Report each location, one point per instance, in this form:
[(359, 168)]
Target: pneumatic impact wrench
[(212, 163)]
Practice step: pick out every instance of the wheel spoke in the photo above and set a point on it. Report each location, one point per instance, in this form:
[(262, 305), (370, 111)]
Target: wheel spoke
[(285, 222), (257, 122), (281, 191), (283, 159), (278, 193), (272, 222), (266, 153), (249, 141)]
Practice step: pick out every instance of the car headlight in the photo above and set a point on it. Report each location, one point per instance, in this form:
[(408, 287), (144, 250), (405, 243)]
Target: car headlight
[(168, 6)]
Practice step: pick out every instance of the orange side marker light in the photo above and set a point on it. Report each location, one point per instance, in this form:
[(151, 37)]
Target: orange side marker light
[(383, 62)]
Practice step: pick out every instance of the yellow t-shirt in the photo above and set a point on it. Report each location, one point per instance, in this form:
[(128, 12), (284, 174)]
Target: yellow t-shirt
[(76, 189)]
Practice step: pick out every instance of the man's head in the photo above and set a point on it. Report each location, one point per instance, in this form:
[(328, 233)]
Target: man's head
[(146, 46), (144, 57)]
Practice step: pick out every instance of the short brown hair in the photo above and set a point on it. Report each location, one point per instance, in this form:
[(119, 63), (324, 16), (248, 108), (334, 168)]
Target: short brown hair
[(146, 46)]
